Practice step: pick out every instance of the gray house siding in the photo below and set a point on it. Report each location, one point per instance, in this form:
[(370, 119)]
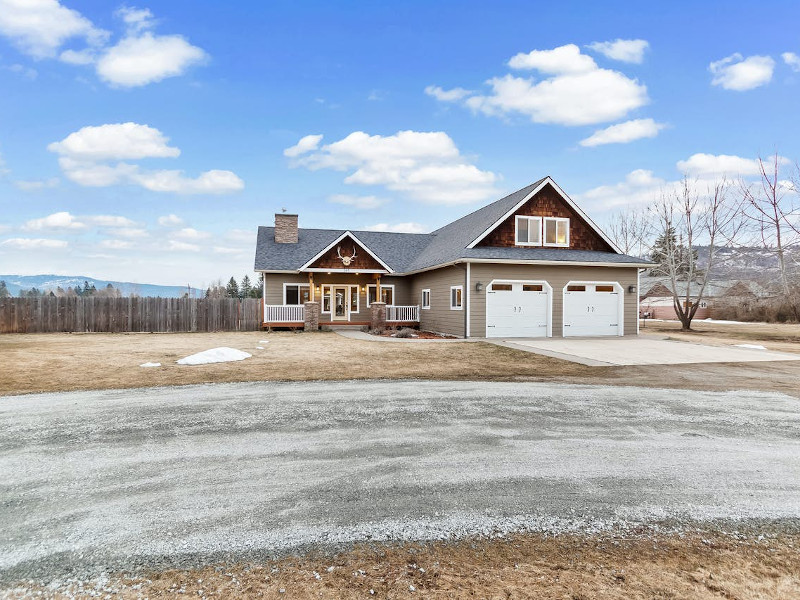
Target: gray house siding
[(440, 317), (557, 277)]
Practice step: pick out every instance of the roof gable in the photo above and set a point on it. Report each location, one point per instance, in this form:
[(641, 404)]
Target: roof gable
[(347, 253), (538, 188), (547, 202)]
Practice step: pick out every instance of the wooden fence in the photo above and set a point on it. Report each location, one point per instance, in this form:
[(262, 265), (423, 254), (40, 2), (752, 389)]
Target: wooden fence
[(113, 315)]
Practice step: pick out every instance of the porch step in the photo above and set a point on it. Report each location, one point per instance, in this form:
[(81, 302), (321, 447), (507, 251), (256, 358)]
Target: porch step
[(344, 327)]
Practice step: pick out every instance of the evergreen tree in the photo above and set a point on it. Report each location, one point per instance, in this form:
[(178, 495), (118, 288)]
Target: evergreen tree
[(232, 289), (246, 289), (4, 293), (86, 290), (668, 249)]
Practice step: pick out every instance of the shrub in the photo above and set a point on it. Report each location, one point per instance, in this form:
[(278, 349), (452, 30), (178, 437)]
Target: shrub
[(405, 332), (377, 331)]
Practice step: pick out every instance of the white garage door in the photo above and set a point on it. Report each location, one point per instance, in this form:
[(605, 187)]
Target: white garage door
[(518, 309), (592, 309)]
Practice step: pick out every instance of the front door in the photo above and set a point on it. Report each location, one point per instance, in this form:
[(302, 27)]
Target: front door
[(340, 303)]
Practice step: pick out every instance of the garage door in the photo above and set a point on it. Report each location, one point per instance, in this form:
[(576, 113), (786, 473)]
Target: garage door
[(592, 309), (518, 309)]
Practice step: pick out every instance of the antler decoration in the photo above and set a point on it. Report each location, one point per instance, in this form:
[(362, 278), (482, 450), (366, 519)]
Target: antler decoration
[(346, 260)]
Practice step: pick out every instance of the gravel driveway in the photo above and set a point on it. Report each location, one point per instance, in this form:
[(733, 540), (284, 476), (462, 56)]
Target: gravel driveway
[(171, 476)]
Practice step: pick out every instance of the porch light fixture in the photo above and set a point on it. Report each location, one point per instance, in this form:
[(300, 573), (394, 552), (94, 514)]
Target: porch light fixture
[(478, 287), (631, 289)]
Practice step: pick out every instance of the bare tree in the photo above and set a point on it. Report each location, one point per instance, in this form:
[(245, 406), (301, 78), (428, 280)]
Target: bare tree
[(685, 220), (773, 216), (630, 229)]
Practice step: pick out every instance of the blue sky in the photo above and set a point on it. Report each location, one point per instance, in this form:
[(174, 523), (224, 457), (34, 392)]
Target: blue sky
[(146, 142)]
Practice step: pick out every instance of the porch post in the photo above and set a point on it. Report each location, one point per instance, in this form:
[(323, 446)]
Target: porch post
[(378, 297), (311, 287)]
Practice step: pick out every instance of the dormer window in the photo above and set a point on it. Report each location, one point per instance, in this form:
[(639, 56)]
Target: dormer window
[(528, 231), (556, 232)]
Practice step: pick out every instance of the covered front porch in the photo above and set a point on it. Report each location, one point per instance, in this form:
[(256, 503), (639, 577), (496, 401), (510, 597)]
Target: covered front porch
[(342, 299)]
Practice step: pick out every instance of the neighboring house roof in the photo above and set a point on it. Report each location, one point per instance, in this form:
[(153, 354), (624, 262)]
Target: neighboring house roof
[(409, 252), (722, 288)]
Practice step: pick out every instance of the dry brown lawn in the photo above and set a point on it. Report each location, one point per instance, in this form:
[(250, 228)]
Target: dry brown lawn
[(780, 337), (709, 566), (62, 362)]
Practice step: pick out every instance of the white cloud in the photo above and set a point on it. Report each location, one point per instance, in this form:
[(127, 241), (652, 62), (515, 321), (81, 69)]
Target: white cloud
[(131, 232), (170, 221), (442, 95), (26, 72), (82, 155), (140, 57), (187, 233), (115, 141), (640, 187), (718, 165), (408, 227), (306, 144), (182, 246), (737, 73), (33, 243), (3, 169), (41, 27), (227, 250), (77, 57), (426, 166), (116, 244), (109, 221), (34, 185), (558, 61), (137, 19), (622, 133), (59, 220), (576, 91), (791, 59), (137, 61), (630, 51), (208, 182), (365, 202)]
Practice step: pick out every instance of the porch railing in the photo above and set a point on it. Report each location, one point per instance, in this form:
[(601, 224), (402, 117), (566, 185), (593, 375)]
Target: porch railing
[(278, 313), (405, 314)]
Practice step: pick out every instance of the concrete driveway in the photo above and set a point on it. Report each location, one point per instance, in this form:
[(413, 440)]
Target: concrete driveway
[(176, 476), (640, 350)]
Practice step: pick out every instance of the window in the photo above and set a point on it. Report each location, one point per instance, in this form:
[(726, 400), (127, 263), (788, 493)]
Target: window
[(556, 231), (529, 231), (576, 288), (326, 298), (456, 293), (353, 298), (501, 287), (294, 294), (426, 299), (604, 288), (530, 287), (387, 294)]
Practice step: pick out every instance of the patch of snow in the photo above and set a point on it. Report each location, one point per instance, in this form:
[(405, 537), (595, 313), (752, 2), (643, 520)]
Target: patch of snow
[(751, 346), (263, 341), (259, 347), (150, 364), (215, 355)]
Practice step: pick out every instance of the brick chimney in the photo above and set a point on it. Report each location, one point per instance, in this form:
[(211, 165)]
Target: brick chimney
[(285, 228)]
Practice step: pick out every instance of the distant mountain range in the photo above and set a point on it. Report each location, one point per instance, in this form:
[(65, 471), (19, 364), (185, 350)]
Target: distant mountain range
[(15, 283)]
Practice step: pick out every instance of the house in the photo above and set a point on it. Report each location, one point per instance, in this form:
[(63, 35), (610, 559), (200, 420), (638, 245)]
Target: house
[(532, 264), (657, 301)]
